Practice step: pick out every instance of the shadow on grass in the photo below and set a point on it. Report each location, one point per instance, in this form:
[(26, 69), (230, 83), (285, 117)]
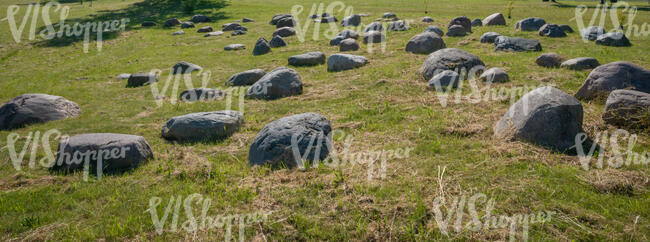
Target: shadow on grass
[(566, 5), (148, 10)]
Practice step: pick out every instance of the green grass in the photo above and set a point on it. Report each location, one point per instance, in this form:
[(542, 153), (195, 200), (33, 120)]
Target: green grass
[(384, 105)]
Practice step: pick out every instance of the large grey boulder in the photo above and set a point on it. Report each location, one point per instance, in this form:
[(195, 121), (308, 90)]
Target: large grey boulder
[(285, 32), (444, 80), (112, 153), (231, 26), (462, 21), (200, 18), (616, 39), (35, 108), (580, 63), (453, 59), (204, 126), (530, 24), (495, 74), (352, 20), (201, 94), (489, 37), (374, 26), (277, 41), (399, 25), (141, 79), (348, 33), (341, 62), (171, 22), (186, 25), (278, 83), (545, 116), (348, 45), (290, 140), (628, 108), (592, 32), (285, 22), (232, 47), (477, 22), (261, 47), (425, 43), (277, 18), (184, 67), (550, 60), (307, 59), (551, 30), (494, 19), (456, 31), (434, 29), (505, 43), (245, 78), (612, 76), (373, 37)]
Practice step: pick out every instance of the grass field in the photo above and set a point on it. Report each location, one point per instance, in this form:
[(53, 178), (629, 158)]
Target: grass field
[(383, 105)]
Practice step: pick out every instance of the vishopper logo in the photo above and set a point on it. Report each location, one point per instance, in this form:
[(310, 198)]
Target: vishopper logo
[(204, 222), (461, 79), (203, 93), (457, 207), (616, 156), (64, 29), (333, 27), (340, 157), (633, 29)]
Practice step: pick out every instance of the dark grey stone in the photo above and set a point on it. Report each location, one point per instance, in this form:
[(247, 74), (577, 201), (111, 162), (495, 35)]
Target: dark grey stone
[(581, 63), (566, 28), (206, 29), (348, 45), (285, 32), (277, 41), (425, 43), (494, 19), (374, 26), (261, 47), (400, 25), (477, 23), (307, 59), (201, 94), (462, 21), (185, 68), (35, 108), (530, 24), (612, 76), (456, 31), (171, 22), (489, 37), (204, 126), (141, 79), (149, 24), (505, 43), (617, 39), (186, 25), (245, 78), (444, 80), (628, 109), (341, 62), (550, 60), (592, 32), (427, 20), (230, 26), (551, 30), (495, 74), (278, 83), (352, 20), (336, 40), (348, 33), (453, 59), (200, 18), (277, 18), (434, 29)]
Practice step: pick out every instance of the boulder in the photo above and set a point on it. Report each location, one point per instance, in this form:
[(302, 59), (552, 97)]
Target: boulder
[(545, 116), (114, 153), (551, 30), (613, 39), (495, 74), (141, 79), (494, 19), (505, 43), (581, 63), (477, 22), (186, 25), (200, 18), (434, 29), (389, 15), (612, 76), (285, 22), (231, 47), (400, 25), (628, 109), (261, 47), (245, 78), (178, 32), (373, 37), (284, 32), (237, 32), (149, 24), (425, 43), (463, 21), (489, 37), (591, 33), (201, 94), (341, 62), (277, 18), (171, 22), (230, 27), (277, 41), (206, 29), (204, 126), (185, 68), (374, 26), (215, 33), (247, 20), (427, 20), (278, 83), (330, 19), (530, 24), (307, 59), (348, 33), (453, 59), (35, 108), (456, 31), (566, 28), (550, 60), (348, 45), (336, 40), (444, 80), (278, 144), (352, 20)]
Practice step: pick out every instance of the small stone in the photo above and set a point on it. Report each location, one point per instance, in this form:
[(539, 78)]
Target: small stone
[(550, 60), (495, 75), (231, 47), (582, 63)]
